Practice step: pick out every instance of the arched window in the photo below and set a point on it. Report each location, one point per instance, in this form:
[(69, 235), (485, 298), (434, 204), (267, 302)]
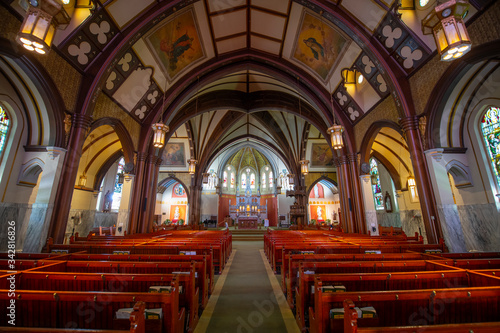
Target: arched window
[(377, 190), (224, 181), (490, 126), (271, 180), (117, 193), (243, 181), (252, 180), (232, 179), (263, 180), (4, 128)]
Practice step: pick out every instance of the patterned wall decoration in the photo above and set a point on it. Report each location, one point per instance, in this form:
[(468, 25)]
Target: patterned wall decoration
[(347, 104), (371, 73), (131, 86), (318, 46), (91, 39), (408, 51)]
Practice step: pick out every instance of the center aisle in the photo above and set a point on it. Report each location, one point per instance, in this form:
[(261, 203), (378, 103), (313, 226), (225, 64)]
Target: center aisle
[(244, 296)]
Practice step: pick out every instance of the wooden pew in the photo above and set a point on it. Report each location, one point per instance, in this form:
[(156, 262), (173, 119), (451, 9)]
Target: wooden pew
[(89, 310), (128, 271), (410, 307), (364, 272), (137, 325), (351, 325)]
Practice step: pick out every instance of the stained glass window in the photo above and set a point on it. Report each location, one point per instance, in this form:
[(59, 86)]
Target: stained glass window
[(224, 181), (490, 126), (377, 190), (252, 180), (232, 179), (243, 181), (117, 195), (263, 180), (271, 179), (4, 128)]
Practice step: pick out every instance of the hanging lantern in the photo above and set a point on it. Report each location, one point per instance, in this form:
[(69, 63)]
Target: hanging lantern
[(159, 134), (291, 179), (336, 136), (38, 28), (192, 166), (304, 166), (411, 181), (121, 178), (446, 23), (205, 177)]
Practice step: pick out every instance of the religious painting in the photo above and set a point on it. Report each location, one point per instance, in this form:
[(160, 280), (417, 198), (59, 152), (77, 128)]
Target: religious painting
[(318, 46), (318, 212), (318, 192), (176, 44), (321, 155), (178, 191), (177, 212), (174, 155)]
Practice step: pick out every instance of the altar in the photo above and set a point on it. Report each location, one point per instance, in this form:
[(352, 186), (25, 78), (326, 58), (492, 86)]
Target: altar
[(247, 222)]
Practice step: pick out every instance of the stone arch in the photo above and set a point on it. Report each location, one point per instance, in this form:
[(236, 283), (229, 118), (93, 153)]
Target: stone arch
[(460, 172), (30, 171)]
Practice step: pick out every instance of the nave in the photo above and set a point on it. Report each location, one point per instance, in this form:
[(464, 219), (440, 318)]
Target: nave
[(309, 280)]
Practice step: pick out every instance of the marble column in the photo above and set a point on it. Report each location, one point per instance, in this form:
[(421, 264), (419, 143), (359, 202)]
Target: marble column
[(447, 209), (124, 211), (427, 201), (38, 221), (136, 200), (69, 170), (370, 212), (359, 209)]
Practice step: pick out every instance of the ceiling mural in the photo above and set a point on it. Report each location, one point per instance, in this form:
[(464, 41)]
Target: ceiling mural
[(318, 46), (175, 44)]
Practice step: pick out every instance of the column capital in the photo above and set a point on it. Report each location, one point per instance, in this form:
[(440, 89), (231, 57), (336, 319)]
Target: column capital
[(81, 120), (344, 159), (436, 153), (158, 161), (141, 156), (365, 178), (152, 159), (409, 123), (54, 152)]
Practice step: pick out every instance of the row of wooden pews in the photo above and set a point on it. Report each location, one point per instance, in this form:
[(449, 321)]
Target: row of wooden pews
[(337, 282), (104, 283)]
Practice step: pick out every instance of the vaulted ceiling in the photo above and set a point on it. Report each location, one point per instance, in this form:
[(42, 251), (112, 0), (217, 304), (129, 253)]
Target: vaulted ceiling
[(221, 71)]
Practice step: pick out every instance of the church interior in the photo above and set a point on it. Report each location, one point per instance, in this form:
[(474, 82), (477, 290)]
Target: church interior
[(367, 124)]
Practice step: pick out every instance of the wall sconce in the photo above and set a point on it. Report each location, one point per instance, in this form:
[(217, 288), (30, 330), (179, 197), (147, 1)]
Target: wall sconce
[(192, 166), (304, 166), (351, 76), (39, 26), (446, 24), (82, 181)]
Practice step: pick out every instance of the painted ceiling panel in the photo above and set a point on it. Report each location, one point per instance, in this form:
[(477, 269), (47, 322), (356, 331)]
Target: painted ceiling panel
[(230, 23), (267, 24), (231, 44), (218, 5), (280, 6), (123, 11), (367, 12), (265, 45)]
